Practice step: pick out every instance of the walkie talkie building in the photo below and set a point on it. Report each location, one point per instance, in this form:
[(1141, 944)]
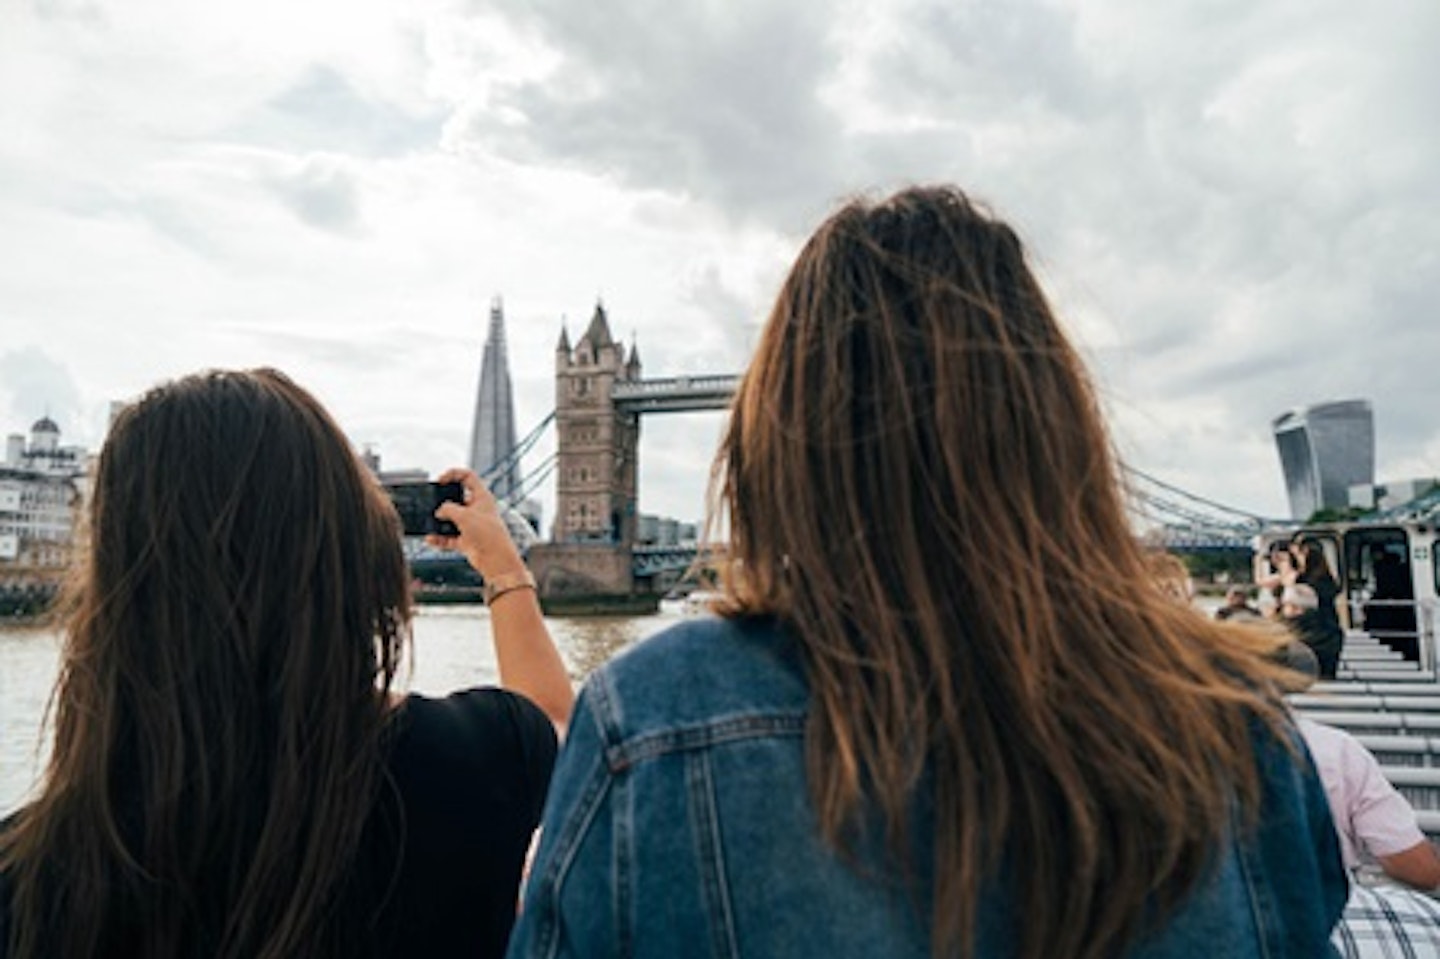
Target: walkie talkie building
[(1324, 450)]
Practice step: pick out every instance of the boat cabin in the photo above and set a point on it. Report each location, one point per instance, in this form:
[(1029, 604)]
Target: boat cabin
[(1389, 581)]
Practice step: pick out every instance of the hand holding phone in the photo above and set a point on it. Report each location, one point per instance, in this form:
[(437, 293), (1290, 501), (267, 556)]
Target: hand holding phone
[(482, 535), (416, 503)]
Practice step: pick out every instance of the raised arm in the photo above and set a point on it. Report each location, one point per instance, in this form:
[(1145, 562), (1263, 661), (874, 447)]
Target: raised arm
[(528, 660), (1267, 576)]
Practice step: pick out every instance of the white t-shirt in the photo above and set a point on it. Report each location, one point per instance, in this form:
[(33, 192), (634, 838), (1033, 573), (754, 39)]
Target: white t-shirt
[(1370, 816)]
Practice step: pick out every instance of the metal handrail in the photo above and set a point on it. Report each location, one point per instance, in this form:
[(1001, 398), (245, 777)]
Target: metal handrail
[(1423, 633)]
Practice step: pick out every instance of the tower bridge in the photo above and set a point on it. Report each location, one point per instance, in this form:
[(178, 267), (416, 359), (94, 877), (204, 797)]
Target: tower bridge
[(600, 396), (593, 560), (674, 394)]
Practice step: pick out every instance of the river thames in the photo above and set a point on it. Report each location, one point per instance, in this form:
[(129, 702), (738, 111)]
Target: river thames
[(452, 650)]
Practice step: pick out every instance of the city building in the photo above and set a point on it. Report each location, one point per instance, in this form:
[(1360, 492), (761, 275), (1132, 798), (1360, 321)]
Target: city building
[(492, 434), (1325, 450), (41, 487), (1392, 493), (652, 530)]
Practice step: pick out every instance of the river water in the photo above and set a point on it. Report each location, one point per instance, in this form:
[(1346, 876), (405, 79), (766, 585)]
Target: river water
[(452, 650)]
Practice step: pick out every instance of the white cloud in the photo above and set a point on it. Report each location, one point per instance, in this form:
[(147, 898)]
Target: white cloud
[(1234, 204)]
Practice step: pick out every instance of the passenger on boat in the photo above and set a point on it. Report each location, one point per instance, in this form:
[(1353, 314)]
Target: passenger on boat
[(234, 773), (1237, 606), (1371, 817), (1381, 920), (1300, 609), (1173, 577), (876, 750), (1313, 569), (1275, 570)]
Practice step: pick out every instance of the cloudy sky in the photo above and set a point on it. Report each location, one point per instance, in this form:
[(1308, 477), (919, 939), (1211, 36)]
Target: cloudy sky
[(1235, 203)]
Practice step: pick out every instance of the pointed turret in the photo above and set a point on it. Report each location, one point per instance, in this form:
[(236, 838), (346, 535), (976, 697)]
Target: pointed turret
[(632, 365), (564, 345), (598, 332)]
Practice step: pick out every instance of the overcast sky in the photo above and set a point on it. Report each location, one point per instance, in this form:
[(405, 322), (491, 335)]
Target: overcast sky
[(1235, 204)]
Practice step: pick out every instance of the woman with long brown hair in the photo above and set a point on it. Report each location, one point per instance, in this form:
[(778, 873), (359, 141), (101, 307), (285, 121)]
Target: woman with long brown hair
[(1325, 635), (946, 709), (234, 772)]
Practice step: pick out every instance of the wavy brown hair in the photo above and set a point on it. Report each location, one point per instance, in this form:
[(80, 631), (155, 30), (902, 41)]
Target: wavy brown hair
[(917, 480), (240, 615)]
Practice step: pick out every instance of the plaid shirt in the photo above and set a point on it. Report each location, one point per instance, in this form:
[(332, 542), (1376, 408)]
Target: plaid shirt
[(1387, 922)]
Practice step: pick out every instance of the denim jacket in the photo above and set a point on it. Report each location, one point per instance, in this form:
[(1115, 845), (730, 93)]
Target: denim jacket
[(679, 824)]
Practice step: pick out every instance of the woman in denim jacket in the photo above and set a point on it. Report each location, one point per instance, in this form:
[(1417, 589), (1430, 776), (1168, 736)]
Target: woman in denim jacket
[(945, 710)]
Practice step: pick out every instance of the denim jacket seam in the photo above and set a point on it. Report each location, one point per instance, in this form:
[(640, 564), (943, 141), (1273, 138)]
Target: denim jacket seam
[(622, 861), (710, 850), (567, 847), (1260, 909), (629, 752), (603, 708)]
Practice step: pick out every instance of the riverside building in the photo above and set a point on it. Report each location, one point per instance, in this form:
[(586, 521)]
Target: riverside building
[(41, 487)]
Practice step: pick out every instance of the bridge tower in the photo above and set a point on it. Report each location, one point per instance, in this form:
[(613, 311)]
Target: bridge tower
[(597, 442)]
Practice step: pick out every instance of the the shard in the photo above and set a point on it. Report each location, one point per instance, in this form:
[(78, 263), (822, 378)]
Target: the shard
[(492, 437)]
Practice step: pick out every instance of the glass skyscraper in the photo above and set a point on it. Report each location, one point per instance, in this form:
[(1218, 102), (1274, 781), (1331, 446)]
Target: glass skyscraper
[(1324, 450), (492, 436)]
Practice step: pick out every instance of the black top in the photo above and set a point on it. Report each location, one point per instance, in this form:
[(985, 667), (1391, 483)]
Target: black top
[(1326, 590), (439, 869), (471, 772)]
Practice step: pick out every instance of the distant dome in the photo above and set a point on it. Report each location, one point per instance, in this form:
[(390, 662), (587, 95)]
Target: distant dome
[(45, 425)]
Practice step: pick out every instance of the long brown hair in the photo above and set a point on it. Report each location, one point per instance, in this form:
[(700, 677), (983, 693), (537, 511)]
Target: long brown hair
[(1314, 564), (917, 480), (240, 615)]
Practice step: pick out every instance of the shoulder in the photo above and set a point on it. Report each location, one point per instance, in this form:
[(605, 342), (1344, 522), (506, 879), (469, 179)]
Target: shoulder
[(482, 730), (1336, 749), (704, 674), (1320, 737), (713, 661), (469, 710), (480, 712)]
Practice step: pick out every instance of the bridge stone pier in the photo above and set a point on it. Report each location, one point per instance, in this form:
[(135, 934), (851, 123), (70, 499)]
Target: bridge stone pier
[(590, 563)]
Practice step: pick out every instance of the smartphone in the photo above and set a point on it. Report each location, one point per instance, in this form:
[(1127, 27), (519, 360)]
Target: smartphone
[(416, 504)]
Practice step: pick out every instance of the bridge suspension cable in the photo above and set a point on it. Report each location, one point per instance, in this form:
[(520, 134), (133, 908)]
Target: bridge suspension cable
[(1249, 519), (530, 482), (521, 448), (1150, 497), (1164, 510)]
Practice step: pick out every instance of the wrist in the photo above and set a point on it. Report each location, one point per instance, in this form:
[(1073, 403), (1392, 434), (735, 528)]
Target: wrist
[(501, 584)]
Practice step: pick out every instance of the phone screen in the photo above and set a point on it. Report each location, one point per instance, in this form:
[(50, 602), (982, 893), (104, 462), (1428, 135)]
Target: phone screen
[(416, 504)]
